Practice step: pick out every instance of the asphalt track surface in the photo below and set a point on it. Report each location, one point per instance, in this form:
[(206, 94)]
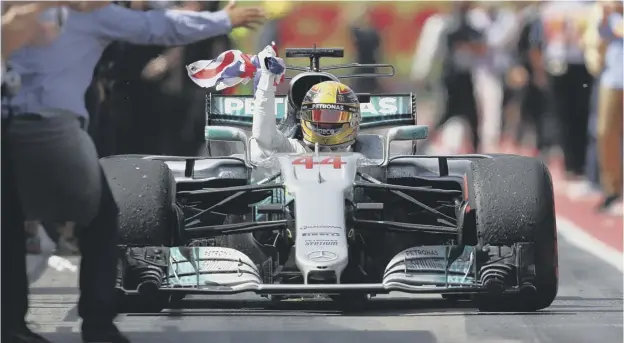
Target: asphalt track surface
[(588, 309)]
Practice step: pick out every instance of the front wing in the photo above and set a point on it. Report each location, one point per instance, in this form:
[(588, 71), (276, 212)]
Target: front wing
[(218, 270)]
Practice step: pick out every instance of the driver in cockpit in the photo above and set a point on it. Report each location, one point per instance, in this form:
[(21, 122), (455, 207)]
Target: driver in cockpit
[(329, 115)]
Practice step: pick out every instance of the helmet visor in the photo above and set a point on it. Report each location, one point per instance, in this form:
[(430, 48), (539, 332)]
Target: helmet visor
[(328, 113), (326, 116)]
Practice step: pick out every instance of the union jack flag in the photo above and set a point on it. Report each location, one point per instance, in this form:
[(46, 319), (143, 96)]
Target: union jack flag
[(231, 68)]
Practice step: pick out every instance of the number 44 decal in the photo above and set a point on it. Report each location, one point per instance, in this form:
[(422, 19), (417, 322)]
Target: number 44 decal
[(309, 162)]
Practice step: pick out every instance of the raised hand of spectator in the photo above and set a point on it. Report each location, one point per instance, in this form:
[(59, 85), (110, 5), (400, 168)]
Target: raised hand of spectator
[(20, 24), (244, 16)]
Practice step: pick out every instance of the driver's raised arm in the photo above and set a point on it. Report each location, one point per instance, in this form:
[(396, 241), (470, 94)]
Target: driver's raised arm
[(264, 129), (153, 27)]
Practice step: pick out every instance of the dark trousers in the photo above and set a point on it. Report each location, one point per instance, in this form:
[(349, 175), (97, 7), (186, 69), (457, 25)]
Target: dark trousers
[(532, 113), (51, 172), (571, 93), (13, 240), (591, 166), (461, 101)]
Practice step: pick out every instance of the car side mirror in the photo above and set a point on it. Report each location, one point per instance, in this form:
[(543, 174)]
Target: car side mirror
[(408, 133), (225, 133), (229, 134), (404, 133)]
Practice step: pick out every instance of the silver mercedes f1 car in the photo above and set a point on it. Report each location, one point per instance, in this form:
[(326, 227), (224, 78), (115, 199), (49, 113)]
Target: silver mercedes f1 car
[(348, 225)]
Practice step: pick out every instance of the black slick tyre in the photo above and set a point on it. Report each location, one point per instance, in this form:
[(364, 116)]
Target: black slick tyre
[(512, 197), (145, 194)]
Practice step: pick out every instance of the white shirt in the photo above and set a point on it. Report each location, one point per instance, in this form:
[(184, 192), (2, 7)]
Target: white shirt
[(501, 35), (267, 138)]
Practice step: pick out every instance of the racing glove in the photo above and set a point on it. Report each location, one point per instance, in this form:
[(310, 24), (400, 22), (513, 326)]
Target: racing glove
[(271, 71)]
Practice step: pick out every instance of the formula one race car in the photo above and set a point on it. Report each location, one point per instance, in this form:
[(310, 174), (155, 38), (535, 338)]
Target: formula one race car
[(345, 225)]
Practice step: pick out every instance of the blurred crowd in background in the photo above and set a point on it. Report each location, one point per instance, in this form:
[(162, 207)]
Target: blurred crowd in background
[(545, 75), (540, 74)]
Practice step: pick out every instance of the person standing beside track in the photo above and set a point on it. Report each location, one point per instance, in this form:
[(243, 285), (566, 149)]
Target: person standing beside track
[(56, 174), (610, 97), (557, 55), (499, 27), (464, 45), (533, 109)]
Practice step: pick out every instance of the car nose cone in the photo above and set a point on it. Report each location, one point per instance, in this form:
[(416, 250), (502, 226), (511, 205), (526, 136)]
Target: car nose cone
[(321, 256)]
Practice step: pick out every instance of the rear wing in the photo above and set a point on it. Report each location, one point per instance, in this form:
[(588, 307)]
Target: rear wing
[(380, 110)]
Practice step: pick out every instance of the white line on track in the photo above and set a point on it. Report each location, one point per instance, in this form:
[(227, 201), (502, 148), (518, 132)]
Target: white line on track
[(584, 241)]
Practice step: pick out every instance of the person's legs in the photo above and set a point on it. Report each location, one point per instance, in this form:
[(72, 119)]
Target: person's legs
[(489, 91), (525, 119), (562, 107), (14, 328), (13, 250), (464, 104), (450, 104), (469, 109), (610, 143), (98, 269), (449, 109), (60, 179), (579, 96), (591, 161), (533, 108), (460, 101)]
